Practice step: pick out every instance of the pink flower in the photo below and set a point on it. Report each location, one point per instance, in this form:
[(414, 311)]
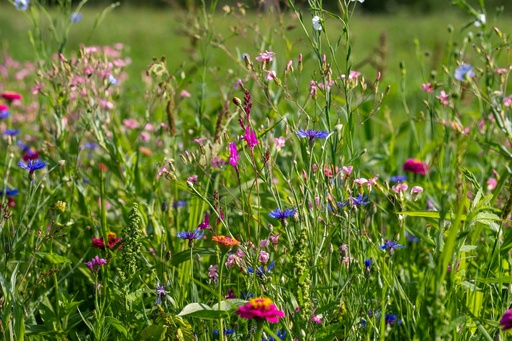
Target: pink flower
[(95, 264), (213, 273), (232, 261), (312, 88), (316, 318), (192, 179), (360, 181), (400, 187), (264, 243), (492, 183), (217, 162), (131, 123), (104, 104), (443, 97), (427, 87), (507, 101), (260, 308), (270, 75), (205, 224), (233, 155), (263, 257), (274, 239), (265, 56), (372, 182), (354, 75), (184, 94), (238, 84), (415, 166), (500, 70), (347, 170), (250, 137), (416, 190), (506, 320), (11, 96), (279, 142)]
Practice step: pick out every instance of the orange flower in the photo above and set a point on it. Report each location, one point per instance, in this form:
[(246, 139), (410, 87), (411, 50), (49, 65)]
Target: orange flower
[(225, 241)]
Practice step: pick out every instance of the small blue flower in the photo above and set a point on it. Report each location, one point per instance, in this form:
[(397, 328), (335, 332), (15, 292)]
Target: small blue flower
[(32, 165), (368, 263), (4, 114), (247, 296), (11, 132), (9, 192), (76, 17), (196, 234), (398, 178), (226, 331), (112, 80), (391, 245), (411, 238), (363, 323), (21, 5), (179, 203), (261, 270), (464, 71), (281, 334), (312, 134), (90, 145), (360, 200), (280, 214)]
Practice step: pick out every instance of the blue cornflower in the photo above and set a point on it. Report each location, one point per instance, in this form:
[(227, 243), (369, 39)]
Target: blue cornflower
[(196, 234), (398, 178), (179, 203), (281, 334), (160, 293), (260, 271), (464, 71), (4, 114), (90, 145), (360, 200), (226, 331), (391, 245), (11, 132), (9, 192), (312, 134), (282, 214), (411, 238), (76, 17), (247, 296), (21, 5), (363, 323), (32, 165), (368, 263)]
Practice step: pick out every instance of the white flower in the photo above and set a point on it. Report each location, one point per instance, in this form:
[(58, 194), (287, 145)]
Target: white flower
[(361, 1), (317, 23), (480, 20)]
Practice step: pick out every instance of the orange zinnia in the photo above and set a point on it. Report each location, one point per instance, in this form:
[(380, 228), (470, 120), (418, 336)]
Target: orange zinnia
[(225, 241)]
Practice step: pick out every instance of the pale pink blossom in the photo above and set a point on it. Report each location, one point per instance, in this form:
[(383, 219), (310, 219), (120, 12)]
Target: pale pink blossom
[(360, 181), (312, 88), (264, 243), (192, 179), (443, 97), (145, 136), (279, 142), (274, 239), (492, 183), (500, 70), (263, 257), (400, 187), (265, 56), (131, 123), (427, 87), (507, 101), (104, 104), (238, 84), (416, 190), (184, 94), (347, 170), (270, 75), (217, 162)]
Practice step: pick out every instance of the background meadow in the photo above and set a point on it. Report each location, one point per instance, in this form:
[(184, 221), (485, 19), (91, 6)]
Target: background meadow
[(164, 168)]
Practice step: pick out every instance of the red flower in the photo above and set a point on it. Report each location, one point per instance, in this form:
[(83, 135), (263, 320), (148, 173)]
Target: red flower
[(11, 96), (415, 166), (260, 308), (112, 241)]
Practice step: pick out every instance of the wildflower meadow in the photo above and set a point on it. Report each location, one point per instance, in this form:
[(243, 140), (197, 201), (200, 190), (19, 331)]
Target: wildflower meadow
[(280, 182)]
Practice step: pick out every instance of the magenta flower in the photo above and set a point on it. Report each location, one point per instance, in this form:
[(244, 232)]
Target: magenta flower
[(506, 320), (260, 308), (233, 155), (95, 264), (415, 166), (250, 137)]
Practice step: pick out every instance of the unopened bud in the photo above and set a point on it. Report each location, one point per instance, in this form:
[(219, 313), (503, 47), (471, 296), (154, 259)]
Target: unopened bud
[(237, 101)]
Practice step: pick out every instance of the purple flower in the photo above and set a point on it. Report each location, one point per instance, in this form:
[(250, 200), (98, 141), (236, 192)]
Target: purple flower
[(11, 132), (250, 137), (233, 155), (196, 234), (464, 71), (95, 264), (4, 114), (179, 203), (32, 165), (398, 178), (360, 200), (391, 245), (206, 223), (160, 293), (506, 320), (312, 134), (282, 214), (76, 17)]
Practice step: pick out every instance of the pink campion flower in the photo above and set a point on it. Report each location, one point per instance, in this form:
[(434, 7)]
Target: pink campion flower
[(500, 71), (347, 170), (274, 239), (250, 138), (95, 264), (360, 181), (192, 179), (233, 155), (213, 273), (354, 75), (312, 88), (326, 86), (131, 123), (104, 104), (238, 84), (427, 87), (263, 257), (372, 182), (416, 190), (232, 261), (200, 140), (507, 101), (492, 183), (316, 318), (145, 136), (443, 97), (217, 162), (162, 171), (264, 243), (279, 142), (265, 57), (270, 75), (415, 166), (400, 187), (37, 88), (260, 308), (184, 94)]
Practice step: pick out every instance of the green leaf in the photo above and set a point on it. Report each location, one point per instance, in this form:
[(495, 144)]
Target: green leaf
[(184, 256), (229, 305), (466, 248), (52, 258), (112, 321), (204, 311), (155, 332)]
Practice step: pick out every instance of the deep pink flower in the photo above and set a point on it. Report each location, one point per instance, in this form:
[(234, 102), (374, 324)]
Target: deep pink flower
[(233, 155), (427, 87), (260, 308), (415, 166), (506, 320), (250, 137), (11, 96)]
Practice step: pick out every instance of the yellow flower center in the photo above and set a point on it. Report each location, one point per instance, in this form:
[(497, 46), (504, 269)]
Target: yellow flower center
[(261, 303)]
